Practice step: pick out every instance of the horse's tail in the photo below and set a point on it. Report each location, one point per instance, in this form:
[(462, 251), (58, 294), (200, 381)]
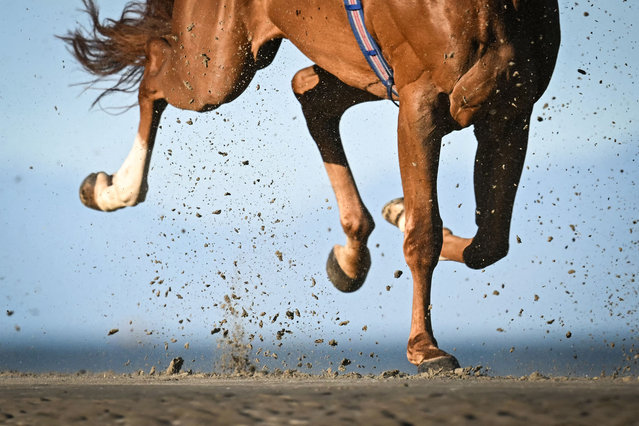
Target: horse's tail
[(117, 47)]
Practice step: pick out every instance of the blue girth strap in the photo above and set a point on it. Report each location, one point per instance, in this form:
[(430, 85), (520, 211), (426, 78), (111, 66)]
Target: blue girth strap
[(369, 47)]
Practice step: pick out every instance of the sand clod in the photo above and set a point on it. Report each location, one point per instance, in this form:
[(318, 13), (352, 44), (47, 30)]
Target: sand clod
[(175, 366)]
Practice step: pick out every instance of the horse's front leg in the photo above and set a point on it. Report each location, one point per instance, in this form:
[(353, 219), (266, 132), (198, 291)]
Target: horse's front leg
[(324, 99), (128, 186), (419, 136), (501, 151)]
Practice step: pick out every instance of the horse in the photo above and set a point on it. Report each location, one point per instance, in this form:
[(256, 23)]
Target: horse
[(455, 64)]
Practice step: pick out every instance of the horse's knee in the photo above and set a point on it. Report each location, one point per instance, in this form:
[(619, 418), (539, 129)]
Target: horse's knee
[(304, 80), (480, 84), (422, 245), (357, 226)]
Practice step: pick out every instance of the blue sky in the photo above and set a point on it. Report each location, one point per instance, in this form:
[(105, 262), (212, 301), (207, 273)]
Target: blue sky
[(70, 274)]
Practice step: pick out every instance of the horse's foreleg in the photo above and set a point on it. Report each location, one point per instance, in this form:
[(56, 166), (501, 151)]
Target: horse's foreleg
[(324, 99), (419, 137), (128, 186), (499, 161)]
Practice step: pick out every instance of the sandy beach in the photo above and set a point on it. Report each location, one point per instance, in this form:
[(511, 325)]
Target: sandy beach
[(283, 399)]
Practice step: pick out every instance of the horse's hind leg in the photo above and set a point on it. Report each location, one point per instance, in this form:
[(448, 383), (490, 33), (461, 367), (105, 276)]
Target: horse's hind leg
[(127, 186), (501, 150), (324, 99)]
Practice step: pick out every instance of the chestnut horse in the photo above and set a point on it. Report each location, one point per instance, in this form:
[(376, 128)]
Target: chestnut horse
[(456, 63)]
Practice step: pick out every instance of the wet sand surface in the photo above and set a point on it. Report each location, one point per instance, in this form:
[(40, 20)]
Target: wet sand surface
[(190, 400)]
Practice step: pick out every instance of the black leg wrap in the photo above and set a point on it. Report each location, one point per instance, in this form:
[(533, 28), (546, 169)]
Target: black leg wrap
[(479, 255)]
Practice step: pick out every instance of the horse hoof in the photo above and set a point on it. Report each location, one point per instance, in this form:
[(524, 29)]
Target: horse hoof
[(338, 277), (87, 190), (440, 365), (393, 212)]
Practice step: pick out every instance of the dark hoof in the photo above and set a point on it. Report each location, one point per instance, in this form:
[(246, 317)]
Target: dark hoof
[(87, 191), (439, 365), (338, 277)]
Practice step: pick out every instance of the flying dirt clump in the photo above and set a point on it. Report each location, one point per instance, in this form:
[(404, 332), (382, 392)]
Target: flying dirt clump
[(175, 366)]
